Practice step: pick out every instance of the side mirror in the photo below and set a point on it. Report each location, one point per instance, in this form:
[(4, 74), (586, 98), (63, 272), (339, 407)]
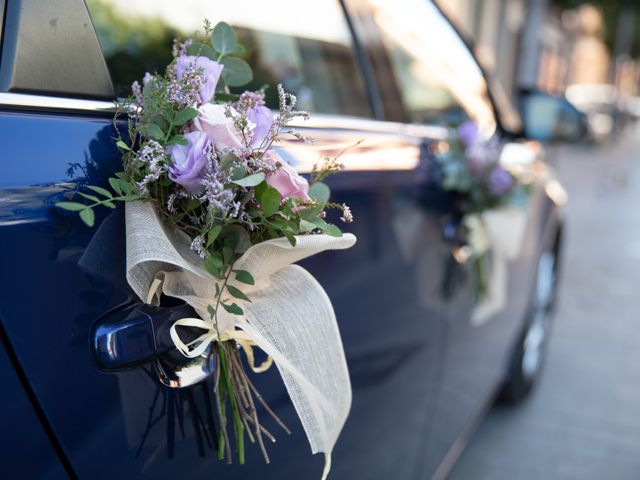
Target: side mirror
[(549, 118)]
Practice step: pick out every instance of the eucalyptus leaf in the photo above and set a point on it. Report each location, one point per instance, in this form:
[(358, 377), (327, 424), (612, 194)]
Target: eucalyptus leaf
[(320, 192), (109, 204), (251, 180), (201, 49), (224, 39), (236, 72), (88, 217)]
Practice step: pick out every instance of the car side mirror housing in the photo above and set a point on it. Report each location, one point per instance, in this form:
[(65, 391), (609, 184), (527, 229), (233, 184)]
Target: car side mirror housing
[(548, 118)]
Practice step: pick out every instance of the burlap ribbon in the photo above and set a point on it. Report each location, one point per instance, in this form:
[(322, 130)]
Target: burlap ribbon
[(290, 316)]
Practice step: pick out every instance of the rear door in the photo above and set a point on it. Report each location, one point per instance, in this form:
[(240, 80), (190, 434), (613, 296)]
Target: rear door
[(438, 82), (60, 276)]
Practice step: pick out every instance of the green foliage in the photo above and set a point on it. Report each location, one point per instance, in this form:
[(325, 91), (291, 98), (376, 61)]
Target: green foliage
[(236, 72), (320, 192)]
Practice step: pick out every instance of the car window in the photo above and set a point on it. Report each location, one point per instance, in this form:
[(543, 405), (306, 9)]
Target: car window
[(307, 46), (440, 81)]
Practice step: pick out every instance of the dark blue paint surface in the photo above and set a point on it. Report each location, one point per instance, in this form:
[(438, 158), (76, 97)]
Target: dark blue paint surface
[(61, 276)]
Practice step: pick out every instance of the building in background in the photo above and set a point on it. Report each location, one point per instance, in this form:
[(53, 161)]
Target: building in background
[(534, 44)]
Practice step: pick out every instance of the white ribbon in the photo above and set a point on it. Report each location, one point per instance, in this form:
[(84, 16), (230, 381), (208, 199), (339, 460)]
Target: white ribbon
[(290, 316), (502, 230)]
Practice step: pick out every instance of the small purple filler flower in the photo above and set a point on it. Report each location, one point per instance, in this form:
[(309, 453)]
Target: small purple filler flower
[(500, 181), (189, 161), (262, 118), (210, 72), (469, 133)]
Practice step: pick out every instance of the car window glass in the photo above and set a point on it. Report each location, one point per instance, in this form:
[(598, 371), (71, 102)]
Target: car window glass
[(440, 81), (306, 46)]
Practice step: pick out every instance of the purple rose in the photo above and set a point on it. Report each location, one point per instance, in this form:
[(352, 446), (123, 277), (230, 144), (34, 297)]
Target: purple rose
[(262, 118), (469, 133), (210, 73), (189, 161), (500, 181)]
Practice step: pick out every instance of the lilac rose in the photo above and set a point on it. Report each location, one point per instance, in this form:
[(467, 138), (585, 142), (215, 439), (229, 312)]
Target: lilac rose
[(189, 161), (262, 119), (217, 121), (500, 181), (469, 133), (285, 179), (209, 69)]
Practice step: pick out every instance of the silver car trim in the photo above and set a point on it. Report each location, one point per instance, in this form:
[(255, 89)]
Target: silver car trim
[(317, 121)]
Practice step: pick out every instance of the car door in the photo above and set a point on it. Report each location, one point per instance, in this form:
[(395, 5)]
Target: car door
[(438, 82), (60, 277)]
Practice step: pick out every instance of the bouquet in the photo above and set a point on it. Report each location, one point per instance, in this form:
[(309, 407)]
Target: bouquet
[(216, 217), (483, 192)]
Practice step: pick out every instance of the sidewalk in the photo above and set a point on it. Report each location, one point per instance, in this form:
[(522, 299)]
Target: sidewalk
[(583, 421)]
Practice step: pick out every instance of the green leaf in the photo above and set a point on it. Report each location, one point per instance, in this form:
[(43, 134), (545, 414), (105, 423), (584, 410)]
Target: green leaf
[(223, 97), (71, 206), (88, 217), (116, 184), (89, 197), (224, 39), (177, 139), (332, 230), (102, 191), (236, 238), (212, 235), (236, 292), (233, 309), (153, 131), (213, 263), (199, 48), (244, 277), (307, 226), (291, 238), (320, 192), (109, 204), (270, 201), (183, 116), (211, 310), (123, 146), (227, 161), (228, 254), (238, 172), (236, 72), (251, 180)]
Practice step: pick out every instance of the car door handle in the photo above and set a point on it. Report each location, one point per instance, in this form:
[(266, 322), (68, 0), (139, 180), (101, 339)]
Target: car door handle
[(133, 335)]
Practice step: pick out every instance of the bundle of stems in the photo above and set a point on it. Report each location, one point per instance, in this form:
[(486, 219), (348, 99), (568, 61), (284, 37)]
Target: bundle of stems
[(233, 385)]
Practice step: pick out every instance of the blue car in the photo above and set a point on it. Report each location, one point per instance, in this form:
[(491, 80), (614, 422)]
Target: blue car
[(87, 389)]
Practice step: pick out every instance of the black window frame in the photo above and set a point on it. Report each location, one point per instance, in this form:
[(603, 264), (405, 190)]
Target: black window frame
[(55, 72)]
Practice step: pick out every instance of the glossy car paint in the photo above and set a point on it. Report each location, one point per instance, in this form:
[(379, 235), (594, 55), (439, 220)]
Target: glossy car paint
[(420, 371)]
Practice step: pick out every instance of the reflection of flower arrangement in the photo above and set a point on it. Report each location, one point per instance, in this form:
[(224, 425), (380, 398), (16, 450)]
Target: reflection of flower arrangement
[(202, 158), (469, 168)]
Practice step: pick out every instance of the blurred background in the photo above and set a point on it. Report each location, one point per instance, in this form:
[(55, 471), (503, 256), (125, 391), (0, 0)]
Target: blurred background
[(582, 422)]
